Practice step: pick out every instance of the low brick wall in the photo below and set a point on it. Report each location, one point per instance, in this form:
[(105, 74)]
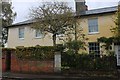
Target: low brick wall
[(26, 66), (31, 66), (3, 61), (3, 64)]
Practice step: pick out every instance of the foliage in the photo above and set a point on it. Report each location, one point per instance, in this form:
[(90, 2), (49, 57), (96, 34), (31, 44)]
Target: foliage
[(75, 40), (107, 42), (88, 62), (60, 48), (74, 46), (35, 53), (116, 30), (55, 18), (7, 16), (7, 49)]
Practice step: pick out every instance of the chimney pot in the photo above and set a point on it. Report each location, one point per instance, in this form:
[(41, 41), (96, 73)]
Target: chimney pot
[(80, 6)]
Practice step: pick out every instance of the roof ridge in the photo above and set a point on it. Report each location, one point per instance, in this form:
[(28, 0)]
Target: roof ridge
[(88, 12)]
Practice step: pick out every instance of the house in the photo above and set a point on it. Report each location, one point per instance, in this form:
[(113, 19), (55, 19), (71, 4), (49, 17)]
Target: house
[(95, 23), (21, 34)]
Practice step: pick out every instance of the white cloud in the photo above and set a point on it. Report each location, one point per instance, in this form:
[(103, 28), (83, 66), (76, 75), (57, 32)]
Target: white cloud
[(22, 6)]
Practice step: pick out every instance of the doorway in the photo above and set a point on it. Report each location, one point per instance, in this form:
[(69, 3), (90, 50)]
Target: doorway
[(8, 61)]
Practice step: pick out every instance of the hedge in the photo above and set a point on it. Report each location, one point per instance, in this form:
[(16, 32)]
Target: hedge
[(69, 60), (8, 49), (88, 62), (35, 53)]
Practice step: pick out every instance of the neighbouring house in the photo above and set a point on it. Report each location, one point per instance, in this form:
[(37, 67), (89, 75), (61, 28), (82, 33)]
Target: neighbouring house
[(96, 23), (21, 34)]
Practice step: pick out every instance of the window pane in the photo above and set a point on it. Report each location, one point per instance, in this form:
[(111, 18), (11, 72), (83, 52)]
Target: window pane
[(94, 47), (93, 25), (21, 32), (38, 34)]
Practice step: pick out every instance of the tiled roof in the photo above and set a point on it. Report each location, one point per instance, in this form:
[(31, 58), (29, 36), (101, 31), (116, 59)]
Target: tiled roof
[(89, 12), (101, 10), (24, 22)]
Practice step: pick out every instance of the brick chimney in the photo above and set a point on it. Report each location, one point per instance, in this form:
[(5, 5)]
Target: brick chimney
[(80, 6)]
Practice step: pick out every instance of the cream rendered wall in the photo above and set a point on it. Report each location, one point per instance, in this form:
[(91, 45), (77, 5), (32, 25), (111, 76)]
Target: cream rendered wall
[(105, 22), (29, 38)]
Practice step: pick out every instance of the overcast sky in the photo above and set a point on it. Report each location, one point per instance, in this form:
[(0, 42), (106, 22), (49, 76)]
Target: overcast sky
[(21, 7)]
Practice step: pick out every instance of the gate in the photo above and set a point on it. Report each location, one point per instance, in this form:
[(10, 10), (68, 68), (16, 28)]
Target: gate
[(8, 60)]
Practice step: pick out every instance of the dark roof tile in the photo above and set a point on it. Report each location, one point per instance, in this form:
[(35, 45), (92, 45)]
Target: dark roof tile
[(89, 12), (101, 10)]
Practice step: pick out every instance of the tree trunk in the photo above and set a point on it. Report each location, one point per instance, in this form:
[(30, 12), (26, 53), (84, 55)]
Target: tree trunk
[(54, 39), (75, 31)]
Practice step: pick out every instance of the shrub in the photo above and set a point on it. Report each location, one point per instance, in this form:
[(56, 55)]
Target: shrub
[(35, 53), (87, 62), (7, 51)]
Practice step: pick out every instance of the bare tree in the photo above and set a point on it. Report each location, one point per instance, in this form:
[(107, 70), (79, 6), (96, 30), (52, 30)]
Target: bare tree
[(55, 18)]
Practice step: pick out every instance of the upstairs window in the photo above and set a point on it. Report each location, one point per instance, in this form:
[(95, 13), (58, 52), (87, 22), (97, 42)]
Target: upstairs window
[(93, 25), (38, 34), (21, 32)]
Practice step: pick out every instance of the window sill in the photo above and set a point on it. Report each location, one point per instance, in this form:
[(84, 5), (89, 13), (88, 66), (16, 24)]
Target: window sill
[(38, 37), (21, 38), (92, 33)]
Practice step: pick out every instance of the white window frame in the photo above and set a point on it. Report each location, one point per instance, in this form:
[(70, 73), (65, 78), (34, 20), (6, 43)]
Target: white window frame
[(41, 35), (94, 47), (95, 26), (21, 32)]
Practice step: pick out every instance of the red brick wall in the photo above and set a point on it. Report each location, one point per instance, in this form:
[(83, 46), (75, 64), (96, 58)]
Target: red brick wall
[(3, 64), (27, 66), (31, 66), (3, 61)]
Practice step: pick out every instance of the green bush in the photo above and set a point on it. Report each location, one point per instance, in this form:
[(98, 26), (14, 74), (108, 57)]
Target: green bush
[(74, 46), (88, 62), (6, 52), (8, 49), (35, 53)]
